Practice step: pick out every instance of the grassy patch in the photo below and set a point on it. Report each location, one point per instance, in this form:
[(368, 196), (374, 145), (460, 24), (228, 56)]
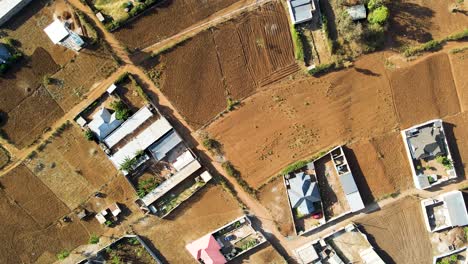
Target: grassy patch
[(93, 239), (63, 254), (435, 45), (231, 104), (294, 166), (458, 50), (322, 68), (233, 172), (297, 41)]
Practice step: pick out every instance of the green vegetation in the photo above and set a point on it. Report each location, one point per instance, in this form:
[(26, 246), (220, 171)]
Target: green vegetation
[(379, 15), (233, 172), (46, 80), (445, 161), (373, 4), (322, 68), (463, 35), (435, 45), (108, 223), (458, 50), (297, 42), (449, 260), (231, 104), (122, 78), (16, 54), (246, 243), (63, 254), (89, 135), (146, 186), (431, 179), (294, 167), (90, 30), (128, 163), (93, 239), (212, 145), (121, 110), (326, 32)]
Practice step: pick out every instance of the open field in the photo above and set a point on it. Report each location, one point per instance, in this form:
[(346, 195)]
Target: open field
[(208, 210), (29, 229), (71, 166), (274, 197), (288, 122), (399, 231), (264, 254), (27, 100), (456, 128), (459, 62), (165, 20), (229, 61)]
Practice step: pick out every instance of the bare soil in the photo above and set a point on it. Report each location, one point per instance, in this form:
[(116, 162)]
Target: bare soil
[(158, 23), (72, 167), (209, 209), (264, 254), (459, 62), (274, 197), (4, 157), (399, 232), (230, 61), (456, 129), (127, 91)]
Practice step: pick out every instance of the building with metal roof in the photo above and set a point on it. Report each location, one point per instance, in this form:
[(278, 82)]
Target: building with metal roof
[(301, 10), (103, 123), (357, 12), (8, 8), (164, 145), (303, 193), (351, 191), (445, 211), (60, 34)]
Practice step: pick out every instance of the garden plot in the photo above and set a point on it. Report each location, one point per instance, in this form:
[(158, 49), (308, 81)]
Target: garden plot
[(214, 74), (71, 166), (49, 79)]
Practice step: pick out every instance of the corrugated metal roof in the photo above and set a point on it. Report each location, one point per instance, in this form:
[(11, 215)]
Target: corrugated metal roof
[(301, 10), (348, 183), (357, 12), (355, 201), (303, 193), (456, 208), (165, 144), (56, 31)]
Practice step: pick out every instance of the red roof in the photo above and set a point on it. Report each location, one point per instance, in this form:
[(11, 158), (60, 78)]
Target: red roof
[(206, 249)]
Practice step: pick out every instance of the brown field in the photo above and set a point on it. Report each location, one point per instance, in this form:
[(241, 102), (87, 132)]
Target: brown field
[(288, 122), (26, 102), (209, 209), (399, 231), (232, 60), (457, 129), (29, 229), (264, 254), (159, 22), (459, 64), (4, 157), (273, 196), (72, 167)]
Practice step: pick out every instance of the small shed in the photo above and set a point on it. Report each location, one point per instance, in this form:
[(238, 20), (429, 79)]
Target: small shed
[(56, 31), (111, 88), (357, 12), (100, 17)]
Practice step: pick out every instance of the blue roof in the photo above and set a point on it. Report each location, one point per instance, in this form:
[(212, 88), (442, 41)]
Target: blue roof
[(4, 53), (303, 193), (165, 144)]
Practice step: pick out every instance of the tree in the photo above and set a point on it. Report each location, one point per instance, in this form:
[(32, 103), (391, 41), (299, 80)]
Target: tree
[(373, 4), (121, 110), (89, 135), (379, 15)]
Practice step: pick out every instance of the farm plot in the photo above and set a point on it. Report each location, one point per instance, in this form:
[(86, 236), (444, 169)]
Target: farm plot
[(459, 63), (399, 230), (262, 255), (230, 61), (288, 122), (380, 164), (159, 22), (208, 210), (29, 229), (425, 90), (273, 196), (49, 79), (72, 167)]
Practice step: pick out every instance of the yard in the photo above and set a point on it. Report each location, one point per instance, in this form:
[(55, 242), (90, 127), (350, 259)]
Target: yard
[(50, 79), (127, 250), (229, 62)]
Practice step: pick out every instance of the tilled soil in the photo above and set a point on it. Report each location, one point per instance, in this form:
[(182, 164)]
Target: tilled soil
[(459, 64), (399, 232), (4, 157), (230, 61), (167, 19)]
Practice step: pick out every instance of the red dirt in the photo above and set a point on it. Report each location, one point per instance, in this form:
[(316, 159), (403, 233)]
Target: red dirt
[(208, 209), (273, 196), (232, 60), (159, 22), (459, 62), (425, 91), (399, 231)]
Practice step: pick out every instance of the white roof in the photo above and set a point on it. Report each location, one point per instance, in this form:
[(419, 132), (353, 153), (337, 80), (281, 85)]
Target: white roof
[(56, 31), (307, 254), (182, 161), (456, 208), (81, 121), (355, 201), (369, 256), (128, 126), (141, 141), (170, 183), (111, 88), (103, 123), (206, 176), (6, 6)]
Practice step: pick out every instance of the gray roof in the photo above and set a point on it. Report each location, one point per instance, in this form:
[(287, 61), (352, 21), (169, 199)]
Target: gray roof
[(456, 208), (348, 183), (303, 193), (165, 144), (428, 142), (301, 10), (357, 12)]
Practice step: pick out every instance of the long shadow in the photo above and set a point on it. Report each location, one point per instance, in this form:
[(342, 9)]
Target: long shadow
[(25, 14), (382, 253), (453, 142), (366, 72), (327, 10), (154, 249), (409, 21), (363, 186)]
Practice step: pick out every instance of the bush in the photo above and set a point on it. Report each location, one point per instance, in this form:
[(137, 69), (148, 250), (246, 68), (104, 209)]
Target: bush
[(63, 254), (93, 239), (326, 32), (89, 135), (298, 46), (212, 145), (231, 104), (432, 45), (373, 4), (374, 37), (233, 172), (322, 68), (121, 78), (445, 162), (294, 167), (46, 80), (458, 36), (127, 164), (121, 110), (379, 16)]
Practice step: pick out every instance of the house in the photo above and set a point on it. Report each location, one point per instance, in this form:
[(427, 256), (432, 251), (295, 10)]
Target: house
[(461, 254), (357, 12), (346, 245), (304, 194), (60, 34), (300, 10), (227, 242), (445, 211), (104, 123), (9, 8), (428, 153), (111, 213), (206, 250), (4, 54)]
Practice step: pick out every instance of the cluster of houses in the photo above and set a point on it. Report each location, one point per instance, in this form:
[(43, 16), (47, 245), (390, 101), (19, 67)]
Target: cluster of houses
[(301, 11)]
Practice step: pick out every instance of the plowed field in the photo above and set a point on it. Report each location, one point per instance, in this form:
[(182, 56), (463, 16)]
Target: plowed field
[(288, 122), (167, 19), (232, 60)]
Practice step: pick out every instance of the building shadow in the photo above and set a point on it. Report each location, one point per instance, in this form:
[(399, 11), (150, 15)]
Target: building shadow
[(453, 142), (382, 253), (358, 176), (150, 245), (25, 14)]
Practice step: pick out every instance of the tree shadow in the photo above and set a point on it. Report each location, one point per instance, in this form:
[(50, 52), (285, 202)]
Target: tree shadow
[(367, 72), (408, 22)]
